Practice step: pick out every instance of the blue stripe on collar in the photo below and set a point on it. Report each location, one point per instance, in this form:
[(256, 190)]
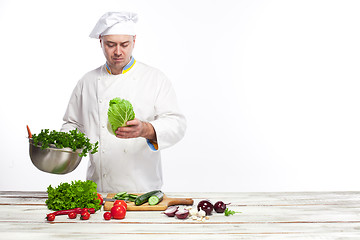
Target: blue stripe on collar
[(108, 68), (125, 69), (129, 65)]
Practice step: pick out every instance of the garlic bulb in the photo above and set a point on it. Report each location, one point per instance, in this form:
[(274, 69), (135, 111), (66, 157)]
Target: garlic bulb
[(201, 213), (193, 212)]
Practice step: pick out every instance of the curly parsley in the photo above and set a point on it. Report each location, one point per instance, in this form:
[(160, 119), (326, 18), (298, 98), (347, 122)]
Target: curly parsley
[(73, 139), (229, 212)]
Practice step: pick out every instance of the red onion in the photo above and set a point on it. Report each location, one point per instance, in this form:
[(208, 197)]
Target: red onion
[(170, 211), (182, 214), (206, 206), (219, 207)]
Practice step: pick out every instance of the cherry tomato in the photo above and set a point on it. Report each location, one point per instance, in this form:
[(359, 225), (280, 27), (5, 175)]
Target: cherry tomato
[(120, 202), (91, 210), (84, 210), (100, 198), (118, 212), (85, 215), (72, 215), (107, 215), (50, 217)]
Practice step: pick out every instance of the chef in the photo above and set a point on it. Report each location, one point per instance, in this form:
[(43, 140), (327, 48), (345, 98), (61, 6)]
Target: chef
[(130, 159)]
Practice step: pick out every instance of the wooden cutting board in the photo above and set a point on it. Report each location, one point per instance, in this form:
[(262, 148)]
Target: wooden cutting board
[(161, 206)]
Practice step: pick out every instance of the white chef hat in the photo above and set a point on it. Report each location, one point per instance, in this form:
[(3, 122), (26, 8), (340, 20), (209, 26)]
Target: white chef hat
[(115, 23)]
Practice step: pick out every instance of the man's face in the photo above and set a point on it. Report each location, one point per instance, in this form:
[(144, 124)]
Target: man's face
[(117, 50)]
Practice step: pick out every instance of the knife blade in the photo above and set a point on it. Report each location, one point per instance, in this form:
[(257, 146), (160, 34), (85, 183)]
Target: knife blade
[(113, 200), (110, 199)]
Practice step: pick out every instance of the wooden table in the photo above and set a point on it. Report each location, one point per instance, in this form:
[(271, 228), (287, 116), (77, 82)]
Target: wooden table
[(299, 215)]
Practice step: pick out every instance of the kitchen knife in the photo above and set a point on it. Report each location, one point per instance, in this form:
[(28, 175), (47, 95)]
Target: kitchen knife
[(110, 199)]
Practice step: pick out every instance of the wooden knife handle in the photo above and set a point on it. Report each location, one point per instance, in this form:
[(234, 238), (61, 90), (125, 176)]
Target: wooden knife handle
[(181, 201)]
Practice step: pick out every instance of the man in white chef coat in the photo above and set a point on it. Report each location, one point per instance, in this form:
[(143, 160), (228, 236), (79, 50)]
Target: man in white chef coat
[(131, 160)]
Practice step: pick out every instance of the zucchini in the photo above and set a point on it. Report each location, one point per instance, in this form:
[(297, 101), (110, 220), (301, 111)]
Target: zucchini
[(145, 197), (156, 198)]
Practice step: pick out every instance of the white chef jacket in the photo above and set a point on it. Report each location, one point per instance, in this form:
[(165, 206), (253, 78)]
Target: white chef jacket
[(125, 164)]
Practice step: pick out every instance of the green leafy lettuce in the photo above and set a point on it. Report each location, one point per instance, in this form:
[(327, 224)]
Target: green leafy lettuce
[(120, 111), (72, 195)]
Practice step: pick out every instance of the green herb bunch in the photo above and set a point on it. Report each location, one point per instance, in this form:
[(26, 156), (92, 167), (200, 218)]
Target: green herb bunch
[(229, 212), (73, 139), (82, 194)]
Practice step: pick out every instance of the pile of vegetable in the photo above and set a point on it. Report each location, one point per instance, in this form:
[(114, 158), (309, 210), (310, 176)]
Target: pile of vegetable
[(77, 194), (201, 212), (120, 111), (73, 139), (118, 210), (152, 197)]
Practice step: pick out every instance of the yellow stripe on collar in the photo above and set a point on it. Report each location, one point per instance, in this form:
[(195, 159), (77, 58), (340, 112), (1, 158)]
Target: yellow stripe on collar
[(108, 68), (129, 66), (125, 69)]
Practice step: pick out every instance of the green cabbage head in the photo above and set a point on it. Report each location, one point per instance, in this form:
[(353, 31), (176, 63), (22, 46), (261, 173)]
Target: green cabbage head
[(120, 111)]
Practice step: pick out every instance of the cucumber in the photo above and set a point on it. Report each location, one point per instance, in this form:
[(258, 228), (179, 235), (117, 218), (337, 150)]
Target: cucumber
[(156, 198), (145, 197), (119, 195), (125, 196), (132, 197)]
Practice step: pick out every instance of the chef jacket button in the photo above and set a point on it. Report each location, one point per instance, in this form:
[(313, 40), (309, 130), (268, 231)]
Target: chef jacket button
[(103, 126), (104, 175), (99, 78), (100, 101), (103, 151), (125, 151)]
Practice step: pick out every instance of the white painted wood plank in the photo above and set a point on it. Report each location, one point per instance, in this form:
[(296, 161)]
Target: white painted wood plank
[(240, 199), (248, 214), (313, 215), (112, 230), (185, 236), (283, 198)]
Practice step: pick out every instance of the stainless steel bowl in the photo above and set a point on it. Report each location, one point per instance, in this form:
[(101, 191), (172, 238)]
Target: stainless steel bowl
[(54, 160)]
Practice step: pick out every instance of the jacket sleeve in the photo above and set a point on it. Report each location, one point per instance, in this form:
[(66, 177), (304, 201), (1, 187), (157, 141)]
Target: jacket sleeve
[(169, 123), (72, 118)]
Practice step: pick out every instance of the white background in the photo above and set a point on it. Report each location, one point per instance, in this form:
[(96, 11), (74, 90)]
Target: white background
[(270, 89)]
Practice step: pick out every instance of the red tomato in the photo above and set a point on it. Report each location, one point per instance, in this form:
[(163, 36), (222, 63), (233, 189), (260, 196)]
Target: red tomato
[(85, 215), (100, 198), (120, 202), (91, 210), (50, 217), (72, 215), (107, 215), (84, 210), (118, 212)]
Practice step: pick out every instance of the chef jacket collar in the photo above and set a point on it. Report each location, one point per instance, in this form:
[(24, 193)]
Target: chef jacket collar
[(125, 69)]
